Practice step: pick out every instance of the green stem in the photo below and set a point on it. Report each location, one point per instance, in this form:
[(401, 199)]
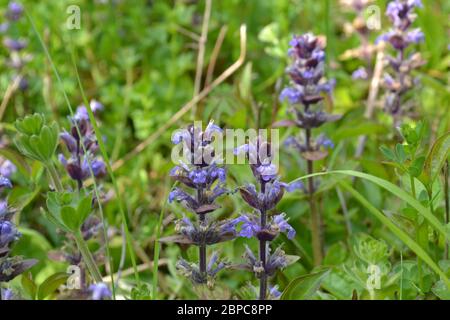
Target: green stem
[(447, 205), (105, 156), (316, 219), (54, 176), (87, 257), (418, 236)]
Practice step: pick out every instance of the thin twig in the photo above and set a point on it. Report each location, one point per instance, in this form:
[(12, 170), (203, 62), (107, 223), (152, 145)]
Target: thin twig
[(12, 87), (215, 54), (447, 204), (201, 53), (373, 93), (188, 33), (225, 75)]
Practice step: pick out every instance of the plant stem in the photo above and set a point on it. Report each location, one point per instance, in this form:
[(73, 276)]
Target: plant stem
[(263, 253), (447, 205), (87, 257), (54, 176), (316, 224), (418, 236), (202, 250)]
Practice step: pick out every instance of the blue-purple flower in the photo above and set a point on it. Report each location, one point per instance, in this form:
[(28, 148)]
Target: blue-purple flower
[(360, 74), (399, 81), (100, 291), (14, 11), (5, 183), (82, 145), (8, 234), (251, 227), (7, 168), (307, 71), (203, 181)]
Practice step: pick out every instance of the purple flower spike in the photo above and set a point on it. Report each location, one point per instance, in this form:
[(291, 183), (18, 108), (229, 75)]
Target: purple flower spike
[(14, 11), (400, 37)]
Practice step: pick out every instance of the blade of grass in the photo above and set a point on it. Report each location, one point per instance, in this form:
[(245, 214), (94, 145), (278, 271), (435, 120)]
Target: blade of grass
[(402, 235), (108, 167), (392, 188), (69, 106), (156, 250)]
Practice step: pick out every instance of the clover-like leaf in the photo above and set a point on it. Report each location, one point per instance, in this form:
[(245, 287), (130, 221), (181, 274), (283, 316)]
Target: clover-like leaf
[(70, 218)]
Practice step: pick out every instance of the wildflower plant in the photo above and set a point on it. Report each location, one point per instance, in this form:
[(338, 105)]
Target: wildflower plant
[(263, 225), (200, 171), (81, 158), (404, 60), (66, 209), (359, 27), (10, 266), (305, 94), (18, 58)]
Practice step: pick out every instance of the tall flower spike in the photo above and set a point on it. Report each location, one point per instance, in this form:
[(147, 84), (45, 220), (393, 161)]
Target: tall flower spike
[(82, 147), (263, 199), (200, 172), (18, 58), (402, 37), (305, 93)]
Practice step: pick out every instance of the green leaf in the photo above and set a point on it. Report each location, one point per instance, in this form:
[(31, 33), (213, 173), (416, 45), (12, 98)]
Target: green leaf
[(70, 218), (441, 290), (28, 285), (53, 219), (304, 287), (416, 167), (17, 159), (84, 208), (336, 254), (31, 124), (402, 235), (435, 160), (388, 153), (395, 190), (51, 284), (400, 153)]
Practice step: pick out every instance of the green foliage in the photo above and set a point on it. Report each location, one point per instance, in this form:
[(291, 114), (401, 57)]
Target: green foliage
[(35, 139), (140, 61), (68, 210)]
